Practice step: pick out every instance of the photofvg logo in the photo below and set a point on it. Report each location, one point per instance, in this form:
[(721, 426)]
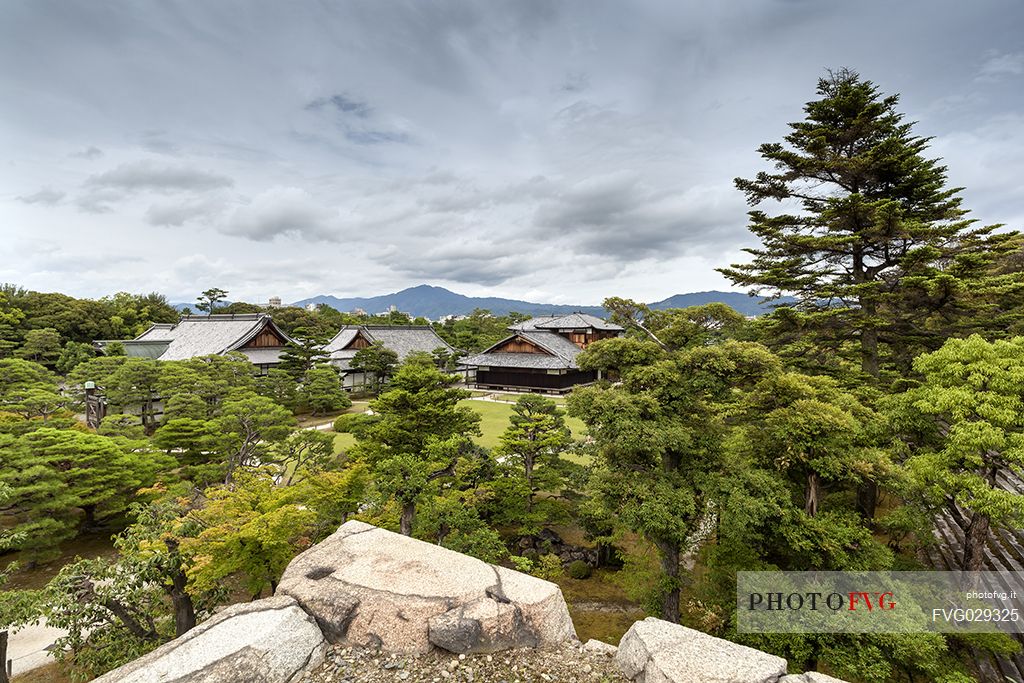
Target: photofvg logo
[(852, 601), (878, 602)]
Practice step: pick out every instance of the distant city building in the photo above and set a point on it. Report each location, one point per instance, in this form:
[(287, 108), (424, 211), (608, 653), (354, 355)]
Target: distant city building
[(275, 302), (358, 311), (540, 354), (311, 308)]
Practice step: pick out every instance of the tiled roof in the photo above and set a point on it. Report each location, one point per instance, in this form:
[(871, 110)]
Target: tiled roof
[(402, 339), (555, 343), (562, 353), (518, 360), (573, 321), (201, 335)]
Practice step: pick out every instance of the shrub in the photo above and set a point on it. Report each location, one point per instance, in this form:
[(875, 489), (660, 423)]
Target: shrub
[(352, 423), (578, 569), (549, 568)]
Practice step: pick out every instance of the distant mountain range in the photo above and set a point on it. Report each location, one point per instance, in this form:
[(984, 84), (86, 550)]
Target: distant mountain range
[(436, 302)]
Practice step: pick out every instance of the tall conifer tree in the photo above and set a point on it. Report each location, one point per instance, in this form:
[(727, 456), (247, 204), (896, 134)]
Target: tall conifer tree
[(876, 248)]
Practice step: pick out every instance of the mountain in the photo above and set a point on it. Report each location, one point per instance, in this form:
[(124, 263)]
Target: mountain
[(744, 303), (435, 302)]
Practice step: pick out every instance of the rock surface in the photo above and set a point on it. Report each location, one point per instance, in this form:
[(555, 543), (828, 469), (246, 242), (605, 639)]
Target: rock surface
[(371, 587), (567, 664), (656, 651), (600, 647), (267, 641), (809, 677)]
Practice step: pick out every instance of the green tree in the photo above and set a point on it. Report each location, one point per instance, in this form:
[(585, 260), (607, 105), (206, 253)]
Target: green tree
[(659, 437), (113, 611), (11, 318), (18, 376), (611, 356), (251, 529), (74, 354), (278, 386), (814, 433), (418, 436), (135, 385), (536, 438), (304, 453), (247, 428), (208, 300), (55, 473), (963, 427), (41, 346), (195, 443), (321, 390), (304, 352), (880, 250), (376, 360)]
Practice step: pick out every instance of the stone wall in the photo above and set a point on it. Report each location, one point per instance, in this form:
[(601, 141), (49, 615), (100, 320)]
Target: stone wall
[(367, 588)]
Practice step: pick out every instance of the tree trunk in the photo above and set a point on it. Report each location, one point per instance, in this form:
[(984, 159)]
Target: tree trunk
[(812, 493), (408, 516), (974, 542), (670, 567), (184, 610), (528, 461), (867, 499), (3, 658), (89, 522)]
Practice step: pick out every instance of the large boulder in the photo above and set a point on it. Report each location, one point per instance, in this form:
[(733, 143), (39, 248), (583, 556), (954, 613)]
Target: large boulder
[(656, 651), (371, 587), (809, 677), (267, 641)]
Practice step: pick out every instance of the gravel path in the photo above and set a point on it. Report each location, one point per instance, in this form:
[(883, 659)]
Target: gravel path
[(571, 664)]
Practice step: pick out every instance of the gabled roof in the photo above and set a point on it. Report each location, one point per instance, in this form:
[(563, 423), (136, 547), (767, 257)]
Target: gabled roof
[(573, 321), (533, 361), (402, 339), (561, 353), (203, 335)]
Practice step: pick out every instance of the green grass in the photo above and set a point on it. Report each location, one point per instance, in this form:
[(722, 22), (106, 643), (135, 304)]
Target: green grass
[(494, 421), (343, 442)]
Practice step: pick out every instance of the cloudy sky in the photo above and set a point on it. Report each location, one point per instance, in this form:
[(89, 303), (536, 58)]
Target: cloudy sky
[(558, 151)]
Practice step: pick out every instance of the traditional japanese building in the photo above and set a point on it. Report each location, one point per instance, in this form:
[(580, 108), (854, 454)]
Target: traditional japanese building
[(540, 354), (254, 335), (402, 339)]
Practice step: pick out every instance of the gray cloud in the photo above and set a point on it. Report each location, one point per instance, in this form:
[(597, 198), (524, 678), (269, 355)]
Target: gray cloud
[(999, 66), (620, 215), (359, 123), (565, 150), (343, 104), (283, 212), (45, 197), (153, 176), (177, 213), (90, 152)]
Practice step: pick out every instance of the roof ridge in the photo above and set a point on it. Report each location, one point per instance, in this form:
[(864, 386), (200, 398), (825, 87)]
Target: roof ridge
[(221, 316)]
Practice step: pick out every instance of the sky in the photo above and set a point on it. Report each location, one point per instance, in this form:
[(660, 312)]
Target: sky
[(558, 152)]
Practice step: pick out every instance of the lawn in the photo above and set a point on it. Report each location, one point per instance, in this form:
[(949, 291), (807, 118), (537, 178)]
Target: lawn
[(494, 421)]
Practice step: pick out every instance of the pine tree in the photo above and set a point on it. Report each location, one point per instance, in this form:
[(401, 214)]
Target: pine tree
[(321, 390), (536, 437), (418, 436), (304, 352), (878, 251), (963, 431)]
